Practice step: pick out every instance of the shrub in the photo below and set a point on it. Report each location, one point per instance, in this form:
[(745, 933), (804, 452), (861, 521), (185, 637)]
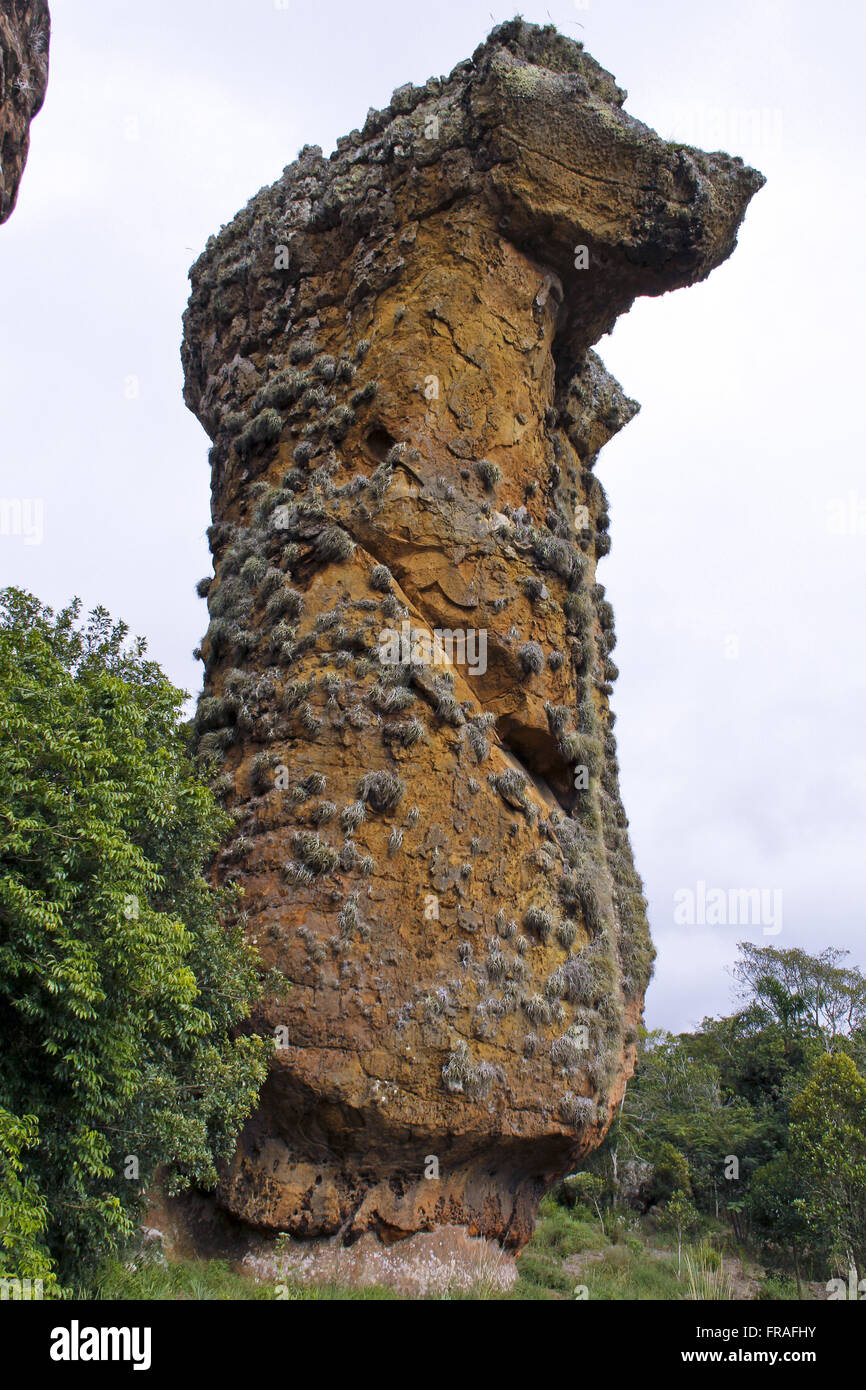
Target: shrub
[(534, 588), (334, 544), (212, 712), (489, 473), (558, 717), (408, 734), (566, 933), (457, 1069), (577, 606), (339, 422), (229, 598), (350, 917), (264, 428), (381, 790), (284, 602), (253, 570), (587, 976), (537, 1009), (272, 580), (319, 857), (364, 394), (261, 771), (539, 921), (352, 816), (324, 367), (448, 708), (577, 1111), (566, 1053), (308, 719), (380, 578), (581, 888), (512, 787), (496, 963), (281, 642), (348, 855), (460, 1075), (122, 977), (390, 698)]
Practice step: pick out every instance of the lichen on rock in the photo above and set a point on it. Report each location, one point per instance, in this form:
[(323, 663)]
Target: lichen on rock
[(391, 350)]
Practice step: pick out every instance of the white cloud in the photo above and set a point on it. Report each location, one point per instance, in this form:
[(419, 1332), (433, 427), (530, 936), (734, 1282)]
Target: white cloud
[(746, 771)]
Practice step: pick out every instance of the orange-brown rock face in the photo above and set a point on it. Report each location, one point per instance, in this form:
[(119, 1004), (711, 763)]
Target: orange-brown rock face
[(408, 664), (24, 35)]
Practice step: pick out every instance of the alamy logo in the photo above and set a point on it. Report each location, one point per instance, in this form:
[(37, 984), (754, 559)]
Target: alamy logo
[(441, 647), (729, 907), (77, 1343), (846, 516), (23, 516), (855, 1290), (18, 1289)]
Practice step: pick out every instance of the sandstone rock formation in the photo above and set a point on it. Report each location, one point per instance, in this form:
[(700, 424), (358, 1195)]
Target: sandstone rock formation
[(24, 34), (391, 351)]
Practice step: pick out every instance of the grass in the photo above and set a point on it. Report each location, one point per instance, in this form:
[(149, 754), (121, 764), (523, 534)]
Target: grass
[(780, 1288), (706, 1277), (208, 1281), (625, 1274), (570, 1249), (562, 1232), (571, 1255)]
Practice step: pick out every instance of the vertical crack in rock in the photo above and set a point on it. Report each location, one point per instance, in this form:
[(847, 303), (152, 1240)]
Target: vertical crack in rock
[(391, 351), (24, 35)]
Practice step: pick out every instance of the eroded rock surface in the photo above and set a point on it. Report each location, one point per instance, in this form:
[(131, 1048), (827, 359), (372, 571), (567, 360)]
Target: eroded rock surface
[(391, 351), (24, 34)]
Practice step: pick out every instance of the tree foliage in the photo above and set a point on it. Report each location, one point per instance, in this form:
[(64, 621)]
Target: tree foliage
[(761, 1116), (123, 971), (827, 1153)]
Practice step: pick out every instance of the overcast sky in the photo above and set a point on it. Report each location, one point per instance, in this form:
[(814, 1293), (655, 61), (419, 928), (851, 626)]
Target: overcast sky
[(737, 495)]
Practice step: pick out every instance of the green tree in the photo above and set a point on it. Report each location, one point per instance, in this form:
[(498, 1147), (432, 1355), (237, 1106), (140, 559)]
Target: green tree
[(828, 1154), (589, 1188), (123, 971), (803, 994), (677, 1116), (771, 1205), (23, 1214), (681, 1214)]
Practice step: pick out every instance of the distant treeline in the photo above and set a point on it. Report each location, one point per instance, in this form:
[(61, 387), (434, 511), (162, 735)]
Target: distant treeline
[(758, 1118)]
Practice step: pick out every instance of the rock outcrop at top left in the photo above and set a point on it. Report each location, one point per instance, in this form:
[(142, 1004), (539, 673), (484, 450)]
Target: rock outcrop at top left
[(409, 662), (25, 28)]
